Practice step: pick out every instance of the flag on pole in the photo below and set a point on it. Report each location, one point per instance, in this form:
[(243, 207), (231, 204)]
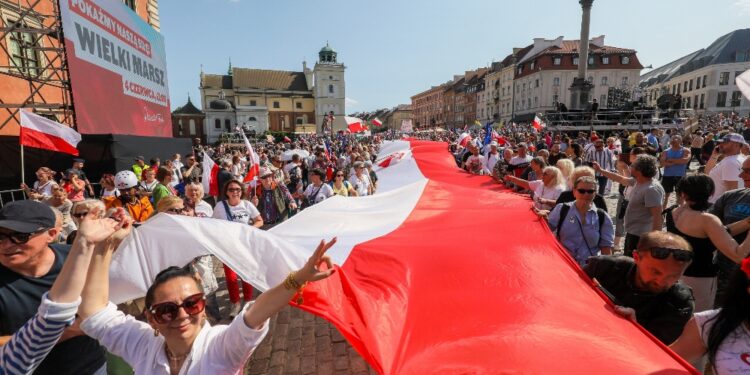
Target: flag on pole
[(40, 132), (488, 133), (377, 122), (538, 124), (355, 125), (253, 160), (210, 177)]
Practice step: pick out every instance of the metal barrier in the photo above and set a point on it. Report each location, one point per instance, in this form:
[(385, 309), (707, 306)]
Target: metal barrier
[(7, 196)]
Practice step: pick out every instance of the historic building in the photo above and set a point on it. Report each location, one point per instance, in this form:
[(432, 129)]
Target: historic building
[(428, 108), (545, 73), (704, 80), (187, 122), (260, 100)]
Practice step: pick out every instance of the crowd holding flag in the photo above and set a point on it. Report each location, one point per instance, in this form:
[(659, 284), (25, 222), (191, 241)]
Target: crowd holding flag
[(538, 124), (376, 121), (354, 124)]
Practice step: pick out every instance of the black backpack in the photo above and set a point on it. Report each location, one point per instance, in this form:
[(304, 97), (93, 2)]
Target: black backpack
[(564, 212)]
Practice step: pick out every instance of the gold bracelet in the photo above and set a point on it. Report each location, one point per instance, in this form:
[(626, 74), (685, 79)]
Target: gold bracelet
[(291, 284)]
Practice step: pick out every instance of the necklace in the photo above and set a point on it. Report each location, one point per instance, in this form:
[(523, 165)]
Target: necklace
[(174, 358)]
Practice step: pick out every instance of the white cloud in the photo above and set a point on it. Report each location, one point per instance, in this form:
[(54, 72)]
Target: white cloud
[(743, 5), (349, 102)]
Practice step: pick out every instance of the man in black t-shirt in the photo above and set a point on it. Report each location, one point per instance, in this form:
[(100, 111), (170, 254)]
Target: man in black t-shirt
[(29, 266), (646, 287)]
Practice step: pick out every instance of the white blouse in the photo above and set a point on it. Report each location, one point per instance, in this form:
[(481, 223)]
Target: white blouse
[(221, 349)]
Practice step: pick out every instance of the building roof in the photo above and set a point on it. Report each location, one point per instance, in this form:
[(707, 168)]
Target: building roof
[(187, 109), (560, 46), (243, 78), (722, 51)]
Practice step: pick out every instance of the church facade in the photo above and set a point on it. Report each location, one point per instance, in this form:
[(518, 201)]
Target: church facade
[(260, 100)]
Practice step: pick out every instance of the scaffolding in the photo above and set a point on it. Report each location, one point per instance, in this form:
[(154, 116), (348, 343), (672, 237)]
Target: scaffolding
[(39, 59)]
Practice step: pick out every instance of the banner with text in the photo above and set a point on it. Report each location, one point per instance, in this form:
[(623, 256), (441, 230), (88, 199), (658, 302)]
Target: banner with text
[(118, 69)]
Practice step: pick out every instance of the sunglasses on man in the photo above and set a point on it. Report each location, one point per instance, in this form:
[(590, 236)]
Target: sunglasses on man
[(166, 312), (19, 238), (678, 254)]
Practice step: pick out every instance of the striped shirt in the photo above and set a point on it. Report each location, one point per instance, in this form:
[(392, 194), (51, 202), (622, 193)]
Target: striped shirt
[(604, 157), (31, 344)]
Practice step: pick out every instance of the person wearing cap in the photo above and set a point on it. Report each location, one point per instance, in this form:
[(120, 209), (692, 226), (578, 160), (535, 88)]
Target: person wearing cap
[(78, 169), (138, 207), (360, 180), (521, 161), (191, 171), (29, 266), (647, 287), (725, 172), (272, 199), (373, 176), (139, 166), (492, 156)]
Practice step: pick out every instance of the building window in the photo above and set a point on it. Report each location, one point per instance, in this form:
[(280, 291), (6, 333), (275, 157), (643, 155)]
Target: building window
[(698, 83), (687, 103), (737, 74), (602, 99), (536, 83), (723, 78), (276, 105), (591, 60), (679, 89), (721, 99), (536, 101), (705, 77), (590, 80), (690, 86), (736, 99), (625, 60), (130, 4), (228, 125), (252, 118), (529, 103), (23, 54), (556, 81), (299, 121), (524, 87), (555, 99), (330, 89), (533, 65), (253, 103), (192, 127), (575, 60), (703, 97), (624, 81), (684, 86), (298, 105), (605, 60), (520, 69), (742, 56), (556, 60), (604, 81), (695, 102), (217, 124)]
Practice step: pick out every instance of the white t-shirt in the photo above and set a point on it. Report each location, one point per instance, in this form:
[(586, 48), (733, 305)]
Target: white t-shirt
[(203, 209), (734, 352), (475, 164), (46, 188), (361, 185), (519, 160), (325, 192), (490, 160), (148, 186), (541, 191), (110, 193), (727, 170), (244, 212)]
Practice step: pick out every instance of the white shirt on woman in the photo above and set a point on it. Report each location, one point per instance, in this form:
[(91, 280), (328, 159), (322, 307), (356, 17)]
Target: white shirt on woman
[(734, 352), (221, 349)]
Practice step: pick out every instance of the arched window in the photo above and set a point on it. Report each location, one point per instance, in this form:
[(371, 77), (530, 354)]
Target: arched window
[(251, 118), (330, 89)]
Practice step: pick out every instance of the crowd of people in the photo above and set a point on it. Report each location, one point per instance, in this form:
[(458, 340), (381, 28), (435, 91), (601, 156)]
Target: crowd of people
[(680, 270)]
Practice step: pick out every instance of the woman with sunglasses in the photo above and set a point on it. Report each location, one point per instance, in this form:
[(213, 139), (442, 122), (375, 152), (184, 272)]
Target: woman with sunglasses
[(177, 339), (234, 207), (722, 334), (705, 233), (341, 186), (42, 186), (582, 228)]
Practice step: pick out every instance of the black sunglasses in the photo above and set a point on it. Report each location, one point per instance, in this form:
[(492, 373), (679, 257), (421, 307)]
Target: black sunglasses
[(167, 311), (176, 210), (586, 191), (19, 238), (79, 215), (678, 254)]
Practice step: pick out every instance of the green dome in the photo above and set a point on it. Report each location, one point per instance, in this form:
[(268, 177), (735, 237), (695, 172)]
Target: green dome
[(327, 48)]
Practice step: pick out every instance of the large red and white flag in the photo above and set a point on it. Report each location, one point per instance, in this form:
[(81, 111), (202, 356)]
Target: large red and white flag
[(39, 132), (210, 175), (464, 139), (253, 161), (355, 125), (376, 121), (419, 288), (538, 124)]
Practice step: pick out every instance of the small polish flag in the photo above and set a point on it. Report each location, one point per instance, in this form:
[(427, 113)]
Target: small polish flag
[(354, 124), (40, 132), (377, 122), (464, 139), (210, 176), (538, 124), (254, 170)]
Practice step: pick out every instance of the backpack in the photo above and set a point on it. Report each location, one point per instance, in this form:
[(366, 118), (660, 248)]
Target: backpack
[(564, 212)]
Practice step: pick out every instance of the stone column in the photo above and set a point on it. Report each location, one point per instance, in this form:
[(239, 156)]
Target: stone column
[(580, 89)]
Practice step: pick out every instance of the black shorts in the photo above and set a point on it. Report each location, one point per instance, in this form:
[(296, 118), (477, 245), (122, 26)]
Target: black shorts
[(669, 182)]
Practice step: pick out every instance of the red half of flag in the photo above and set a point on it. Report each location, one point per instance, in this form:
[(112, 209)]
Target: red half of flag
[(354, 125), (538, 124), (39, 132), (252, 172), (210, 176), (377, 122)]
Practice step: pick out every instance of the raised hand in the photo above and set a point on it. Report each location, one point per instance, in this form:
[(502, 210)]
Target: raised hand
[(596, 166), (312, 270), (94, 229)]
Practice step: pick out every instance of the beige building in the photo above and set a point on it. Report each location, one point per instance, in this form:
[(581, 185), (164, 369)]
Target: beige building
[(545, 73)]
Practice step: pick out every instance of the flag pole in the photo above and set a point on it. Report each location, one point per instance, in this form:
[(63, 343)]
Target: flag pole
[(23, 167)]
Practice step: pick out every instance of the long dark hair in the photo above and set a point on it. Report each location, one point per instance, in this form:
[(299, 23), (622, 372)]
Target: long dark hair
[(735, 310)]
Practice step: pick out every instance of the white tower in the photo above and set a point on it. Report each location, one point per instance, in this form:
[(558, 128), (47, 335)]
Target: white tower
[(329, 88)]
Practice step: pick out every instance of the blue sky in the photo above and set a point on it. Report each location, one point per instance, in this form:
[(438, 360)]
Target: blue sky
[(395, 49)]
